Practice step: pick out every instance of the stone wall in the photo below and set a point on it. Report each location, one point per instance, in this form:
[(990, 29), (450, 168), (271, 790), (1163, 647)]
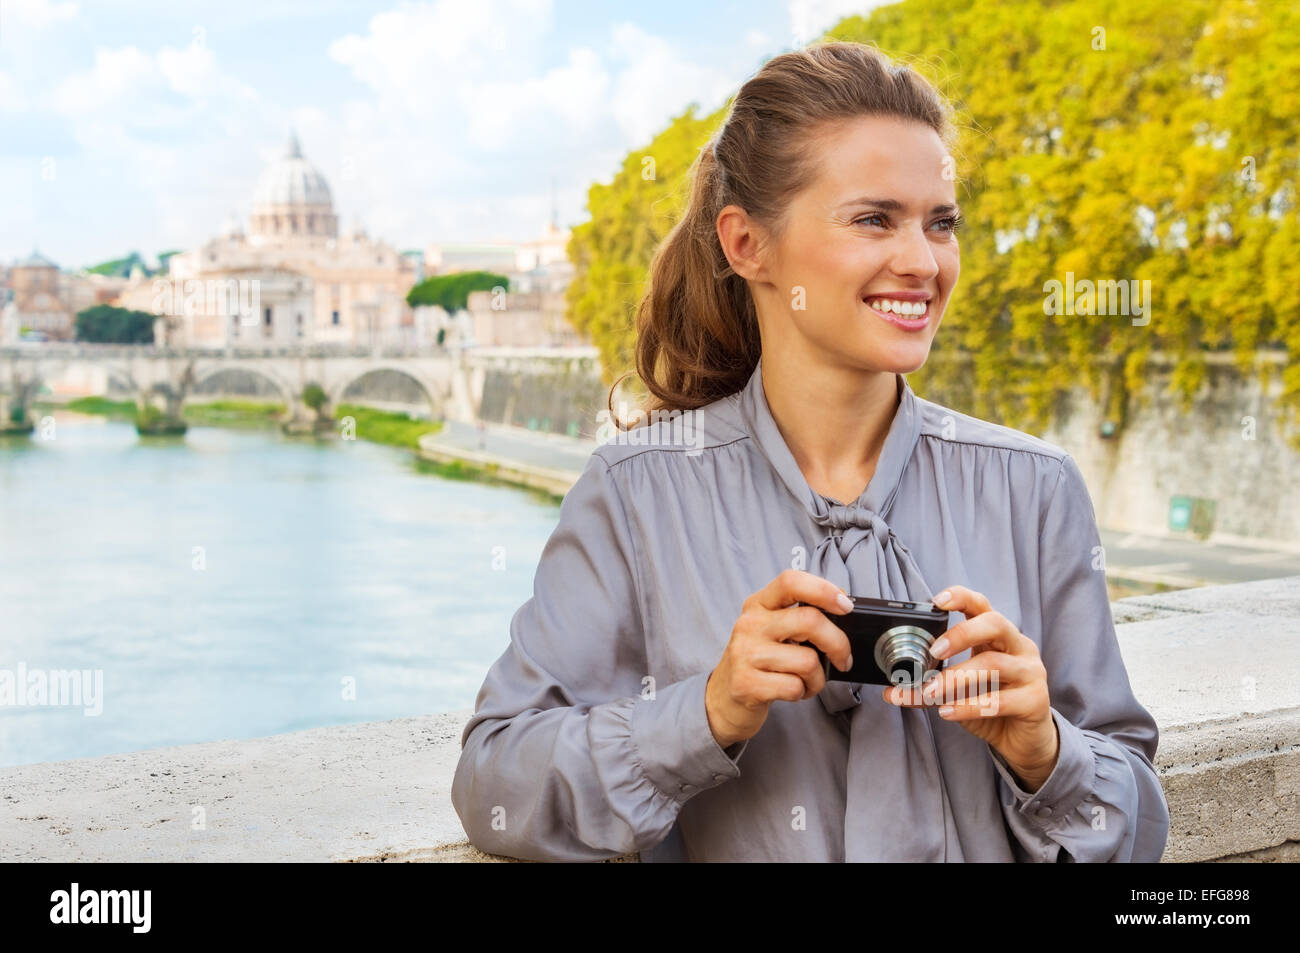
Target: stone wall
[(1228, 450), (1216, 667), (566, 401)]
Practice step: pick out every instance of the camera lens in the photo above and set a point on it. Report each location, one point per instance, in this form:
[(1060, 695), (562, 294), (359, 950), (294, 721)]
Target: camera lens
[(905, 672), (903, 654)]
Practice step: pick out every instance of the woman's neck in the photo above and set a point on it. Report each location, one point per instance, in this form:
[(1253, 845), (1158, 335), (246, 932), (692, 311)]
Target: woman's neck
[(833, 419)]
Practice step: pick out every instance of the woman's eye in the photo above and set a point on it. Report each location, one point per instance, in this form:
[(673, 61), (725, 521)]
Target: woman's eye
[(949, 224), (867, 218)]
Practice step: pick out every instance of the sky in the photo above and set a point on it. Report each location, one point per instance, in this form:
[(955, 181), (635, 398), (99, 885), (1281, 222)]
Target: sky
[(143, 125)]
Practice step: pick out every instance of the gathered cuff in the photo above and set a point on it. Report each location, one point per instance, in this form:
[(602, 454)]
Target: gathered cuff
[(1083, 810), (1072, 779), (665, 743)]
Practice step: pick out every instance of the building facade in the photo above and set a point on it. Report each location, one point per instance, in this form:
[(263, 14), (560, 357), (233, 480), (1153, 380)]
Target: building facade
[(38, 300), (291, 278)]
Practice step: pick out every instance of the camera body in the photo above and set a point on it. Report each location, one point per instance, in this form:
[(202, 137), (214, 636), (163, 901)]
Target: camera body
[(890, 640)]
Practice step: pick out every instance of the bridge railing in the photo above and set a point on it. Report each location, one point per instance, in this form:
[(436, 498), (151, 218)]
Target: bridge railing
[(65, 351), (60, 350)]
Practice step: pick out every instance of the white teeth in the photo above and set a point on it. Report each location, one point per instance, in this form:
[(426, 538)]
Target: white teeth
[(909, 308)]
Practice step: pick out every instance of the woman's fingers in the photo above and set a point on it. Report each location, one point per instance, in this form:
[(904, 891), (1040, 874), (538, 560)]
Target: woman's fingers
[(1019, 702), (757, 688), (810, 624), (787, 658), (981, 674), (795, 585), (966, 601), (989, 630)]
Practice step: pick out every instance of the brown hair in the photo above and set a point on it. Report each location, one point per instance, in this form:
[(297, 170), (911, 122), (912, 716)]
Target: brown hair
[(697, 334)]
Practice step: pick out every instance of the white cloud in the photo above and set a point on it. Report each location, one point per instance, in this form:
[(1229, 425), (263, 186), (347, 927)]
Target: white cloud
[(810, 18), (460, 118), (37, 14), (655, 81), (474, 67), (11, 99), (501, 113), (462, 113), (415, 53), (117, 73), (127, 76)]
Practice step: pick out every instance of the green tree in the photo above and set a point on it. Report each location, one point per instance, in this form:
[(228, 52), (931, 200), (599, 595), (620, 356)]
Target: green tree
[(611, 251), (313, 395), (1122, 141), (106, 324), (451, 292)]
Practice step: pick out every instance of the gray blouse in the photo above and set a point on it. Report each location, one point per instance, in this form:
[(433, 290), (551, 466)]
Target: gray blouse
[(590, 738)]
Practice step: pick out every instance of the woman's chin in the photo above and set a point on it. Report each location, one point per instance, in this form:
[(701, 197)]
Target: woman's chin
[(895, 358)]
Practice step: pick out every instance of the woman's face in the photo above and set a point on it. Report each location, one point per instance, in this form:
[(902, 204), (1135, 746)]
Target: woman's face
[(869, 257)]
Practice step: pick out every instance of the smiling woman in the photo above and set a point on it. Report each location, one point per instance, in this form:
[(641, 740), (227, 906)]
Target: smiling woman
[(663, 690)]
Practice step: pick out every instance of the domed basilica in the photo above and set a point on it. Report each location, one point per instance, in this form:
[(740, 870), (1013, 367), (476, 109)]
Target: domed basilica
[(297, 281)]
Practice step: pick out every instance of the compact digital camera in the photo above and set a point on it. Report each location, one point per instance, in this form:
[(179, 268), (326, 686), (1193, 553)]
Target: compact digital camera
[(890, 641)]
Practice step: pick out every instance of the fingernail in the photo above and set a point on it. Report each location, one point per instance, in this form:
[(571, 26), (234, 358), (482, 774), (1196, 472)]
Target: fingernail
[(945, 711), (940, 647), (850, 665), (844, 602), (942, 598)]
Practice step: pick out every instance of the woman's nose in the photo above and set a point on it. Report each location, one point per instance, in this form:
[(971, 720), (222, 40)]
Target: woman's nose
[(913, 255)]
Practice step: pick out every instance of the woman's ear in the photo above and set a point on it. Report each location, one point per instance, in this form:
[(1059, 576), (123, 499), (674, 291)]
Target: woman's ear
[(742, 240)]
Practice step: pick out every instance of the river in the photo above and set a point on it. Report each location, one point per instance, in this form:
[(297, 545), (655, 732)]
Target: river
[(236, 583)]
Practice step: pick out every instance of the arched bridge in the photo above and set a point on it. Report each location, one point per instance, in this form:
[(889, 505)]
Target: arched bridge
[(451, 379)]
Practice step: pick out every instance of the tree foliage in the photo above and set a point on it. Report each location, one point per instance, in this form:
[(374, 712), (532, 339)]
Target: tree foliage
[(611, 251), (451, 292), (314, 397), (1125, 141), (106, 324)]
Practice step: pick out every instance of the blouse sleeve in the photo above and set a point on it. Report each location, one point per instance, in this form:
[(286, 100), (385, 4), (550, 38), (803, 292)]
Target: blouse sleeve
[(573, 753), (1103, 800)]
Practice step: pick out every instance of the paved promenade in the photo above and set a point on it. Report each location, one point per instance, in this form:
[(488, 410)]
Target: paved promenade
[(553, 462)]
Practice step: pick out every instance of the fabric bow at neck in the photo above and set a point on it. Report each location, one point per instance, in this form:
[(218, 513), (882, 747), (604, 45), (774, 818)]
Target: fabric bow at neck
[(856, 549)]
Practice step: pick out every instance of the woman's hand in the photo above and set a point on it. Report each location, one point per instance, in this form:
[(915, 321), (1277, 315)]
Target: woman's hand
[(999, 694), (761, 664)]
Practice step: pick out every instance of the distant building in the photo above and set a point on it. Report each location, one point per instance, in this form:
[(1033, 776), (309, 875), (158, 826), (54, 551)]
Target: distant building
[(535, 312), (487, 256), (39, 302), (313, 285), (38, 298)]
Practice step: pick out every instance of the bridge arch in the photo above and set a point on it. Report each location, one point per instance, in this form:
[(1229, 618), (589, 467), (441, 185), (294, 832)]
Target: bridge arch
[(341, 386), (44, 369), (206, 372)]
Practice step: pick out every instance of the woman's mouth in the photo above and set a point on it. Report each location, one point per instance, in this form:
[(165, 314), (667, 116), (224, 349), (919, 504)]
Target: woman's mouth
[(908, 315)]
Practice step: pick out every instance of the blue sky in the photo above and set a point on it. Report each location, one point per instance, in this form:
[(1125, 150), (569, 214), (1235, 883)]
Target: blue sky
[(144, 125)]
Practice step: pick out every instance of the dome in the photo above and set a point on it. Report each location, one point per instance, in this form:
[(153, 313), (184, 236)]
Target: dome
[(292, 201), (292, 180)]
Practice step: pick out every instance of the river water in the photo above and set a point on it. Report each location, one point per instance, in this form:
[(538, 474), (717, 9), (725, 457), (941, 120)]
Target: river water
[(235, 583)]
